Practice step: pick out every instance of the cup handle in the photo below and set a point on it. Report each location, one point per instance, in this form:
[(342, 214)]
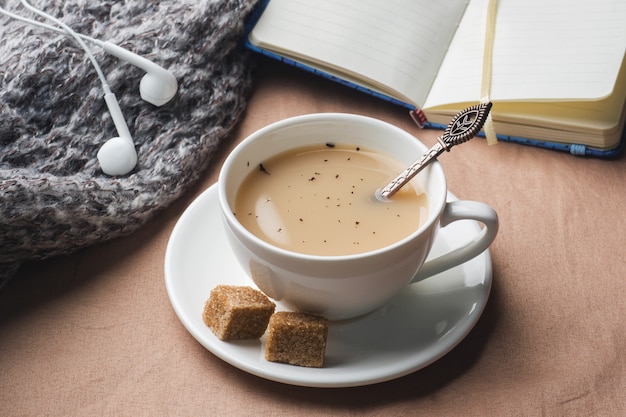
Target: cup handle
[(463, 210)]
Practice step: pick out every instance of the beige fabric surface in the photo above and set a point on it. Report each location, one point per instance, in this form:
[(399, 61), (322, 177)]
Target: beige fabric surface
[(94, 333)]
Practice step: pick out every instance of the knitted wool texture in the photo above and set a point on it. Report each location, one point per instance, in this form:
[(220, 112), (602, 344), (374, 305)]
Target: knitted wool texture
[(54, 198)]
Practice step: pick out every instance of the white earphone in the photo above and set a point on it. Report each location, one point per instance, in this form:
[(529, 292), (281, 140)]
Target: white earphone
[(158, 86)]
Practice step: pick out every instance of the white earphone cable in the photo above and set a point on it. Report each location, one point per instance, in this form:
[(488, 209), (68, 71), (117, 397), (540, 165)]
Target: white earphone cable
[(63, 28), (46, 26)]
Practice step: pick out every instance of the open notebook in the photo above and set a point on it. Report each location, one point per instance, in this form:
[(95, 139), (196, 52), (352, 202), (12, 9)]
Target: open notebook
[(558, 78)]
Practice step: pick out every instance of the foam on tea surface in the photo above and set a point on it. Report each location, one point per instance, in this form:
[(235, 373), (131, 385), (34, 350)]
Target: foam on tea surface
[(321, 201)]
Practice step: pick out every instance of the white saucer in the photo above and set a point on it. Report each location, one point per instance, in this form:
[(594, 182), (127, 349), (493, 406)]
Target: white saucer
[(422, 324)]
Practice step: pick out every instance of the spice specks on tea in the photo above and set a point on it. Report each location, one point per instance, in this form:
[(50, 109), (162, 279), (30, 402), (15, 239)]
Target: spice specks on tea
[(263, 170), (322, 195)]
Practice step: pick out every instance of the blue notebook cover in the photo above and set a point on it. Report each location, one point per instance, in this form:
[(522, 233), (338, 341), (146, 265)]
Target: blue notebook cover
[(416, 114)]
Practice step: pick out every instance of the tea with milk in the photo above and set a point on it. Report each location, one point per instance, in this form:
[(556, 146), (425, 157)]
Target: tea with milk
[(320, 200)]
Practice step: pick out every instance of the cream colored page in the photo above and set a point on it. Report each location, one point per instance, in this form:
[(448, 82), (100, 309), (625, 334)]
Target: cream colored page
[(546, 50), (398, 43)]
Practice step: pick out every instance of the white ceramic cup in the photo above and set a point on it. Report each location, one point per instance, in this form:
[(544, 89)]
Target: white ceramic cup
[(346, 286)]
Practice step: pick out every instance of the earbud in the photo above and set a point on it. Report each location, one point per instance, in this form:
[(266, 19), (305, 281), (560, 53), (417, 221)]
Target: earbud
[(118, 155), (158, 86)]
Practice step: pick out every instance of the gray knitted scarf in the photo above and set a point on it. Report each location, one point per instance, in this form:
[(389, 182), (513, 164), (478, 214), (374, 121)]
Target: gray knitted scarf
[(53, 196)]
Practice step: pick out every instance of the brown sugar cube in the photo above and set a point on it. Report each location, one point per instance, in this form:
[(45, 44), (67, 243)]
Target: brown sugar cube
[(237, 312), (297, 338)]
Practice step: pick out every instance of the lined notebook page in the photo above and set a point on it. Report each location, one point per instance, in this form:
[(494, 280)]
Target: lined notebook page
[(398, 43), (558, 49)]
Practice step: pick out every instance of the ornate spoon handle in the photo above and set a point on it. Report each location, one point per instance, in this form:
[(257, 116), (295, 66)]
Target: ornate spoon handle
[(464, 126)]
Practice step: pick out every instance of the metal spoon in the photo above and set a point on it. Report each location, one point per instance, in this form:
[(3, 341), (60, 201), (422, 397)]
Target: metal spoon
[(463, 127)]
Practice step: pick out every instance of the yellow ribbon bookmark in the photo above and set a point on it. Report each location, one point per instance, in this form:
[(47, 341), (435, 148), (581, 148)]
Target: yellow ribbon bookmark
[(490, 33)]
